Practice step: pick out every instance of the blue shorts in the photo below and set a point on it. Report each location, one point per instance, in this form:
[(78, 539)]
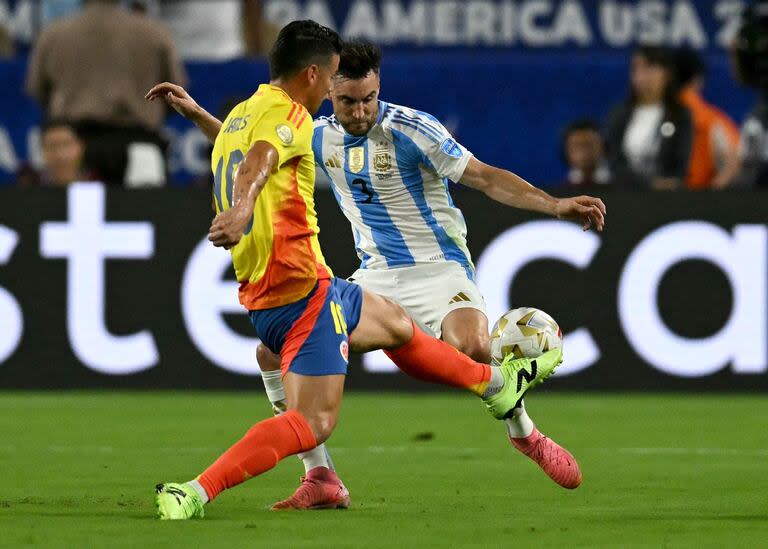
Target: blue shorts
[(312, 335)]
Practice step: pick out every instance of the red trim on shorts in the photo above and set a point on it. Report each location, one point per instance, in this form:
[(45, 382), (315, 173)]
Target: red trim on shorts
[(303, 326)]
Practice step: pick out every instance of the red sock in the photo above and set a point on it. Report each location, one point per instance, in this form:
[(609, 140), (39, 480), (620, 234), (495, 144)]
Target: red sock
[(262, 447), (432, 360)]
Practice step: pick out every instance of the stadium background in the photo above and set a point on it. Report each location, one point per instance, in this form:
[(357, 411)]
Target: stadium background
[(506, 88), (125, 359), (505, 77)]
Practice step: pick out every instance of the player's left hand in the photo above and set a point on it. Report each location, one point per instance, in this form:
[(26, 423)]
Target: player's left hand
[(227, 228), (587, 210), (177, 97)]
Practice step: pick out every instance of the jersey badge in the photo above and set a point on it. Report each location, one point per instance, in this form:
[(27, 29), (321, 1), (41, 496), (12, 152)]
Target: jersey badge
[(382, 161), (356, 159), (451, 148), (285, 133)]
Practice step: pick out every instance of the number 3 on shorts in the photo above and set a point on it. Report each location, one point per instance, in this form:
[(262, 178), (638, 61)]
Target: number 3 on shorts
[(338, 318)]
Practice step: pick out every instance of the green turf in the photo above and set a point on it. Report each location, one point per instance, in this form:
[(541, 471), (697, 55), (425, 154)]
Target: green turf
[(78, 470)]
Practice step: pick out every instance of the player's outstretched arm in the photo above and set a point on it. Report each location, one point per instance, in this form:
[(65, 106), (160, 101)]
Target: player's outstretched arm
[(506, 187), (178, 98), (252, 174)]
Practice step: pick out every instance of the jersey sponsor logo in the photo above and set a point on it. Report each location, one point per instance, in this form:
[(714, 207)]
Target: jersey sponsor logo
[(382, 161), (333, 162), (285, 133), (451, 148), (356, 159)]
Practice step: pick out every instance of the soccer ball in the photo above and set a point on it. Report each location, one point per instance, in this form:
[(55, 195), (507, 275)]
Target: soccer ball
[(525, 332)]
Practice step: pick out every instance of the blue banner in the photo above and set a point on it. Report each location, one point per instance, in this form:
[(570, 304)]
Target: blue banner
[(523, 24), (504, 76), (520, 24), (507, 108)]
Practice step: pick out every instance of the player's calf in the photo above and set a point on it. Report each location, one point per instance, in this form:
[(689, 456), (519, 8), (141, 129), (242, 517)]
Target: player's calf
[(317, 399)]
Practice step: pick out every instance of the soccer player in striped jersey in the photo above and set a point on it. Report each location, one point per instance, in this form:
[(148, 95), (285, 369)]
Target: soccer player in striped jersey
[(389, 166)]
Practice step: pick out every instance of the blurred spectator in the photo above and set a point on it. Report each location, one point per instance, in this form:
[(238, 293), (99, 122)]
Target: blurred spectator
[(62, 153), (754, 147), (649, 136), (50, 10), (205, 30), (750, 61), (584, 153), (94, 68), (6, 43), (258, 33), (139, 7), (220, 30), (715, 151)]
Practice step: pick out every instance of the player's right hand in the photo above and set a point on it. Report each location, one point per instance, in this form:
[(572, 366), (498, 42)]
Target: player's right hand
[(227, 227), (587, 210), (175, 96)]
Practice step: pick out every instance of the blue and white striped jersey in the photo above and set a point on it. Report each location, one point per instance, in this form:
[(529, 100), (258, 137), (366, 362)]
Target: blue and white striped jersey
[(392, 185)]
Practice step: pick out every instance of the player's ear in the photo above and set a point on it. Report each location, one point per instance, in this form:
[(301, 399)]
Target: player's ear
[(313, 73)]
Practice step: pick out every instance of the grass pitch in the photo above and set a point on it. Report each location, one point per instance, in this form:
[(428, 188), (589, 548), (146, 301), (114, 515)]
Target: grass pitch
[(78, 470)]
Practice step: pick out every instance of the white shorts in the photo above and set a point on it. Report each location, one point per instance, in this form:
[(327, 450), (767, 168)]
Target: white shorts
[(428, 291)]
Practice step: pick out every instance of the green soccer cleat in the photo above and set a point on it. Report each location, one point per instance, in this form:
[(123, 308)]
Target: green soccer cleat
[(520, 375), (178, 502)]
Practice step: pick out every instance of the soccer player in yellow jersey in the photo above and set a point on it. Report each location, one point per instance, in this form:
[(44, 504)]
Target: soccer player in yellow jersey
[(264, 178)]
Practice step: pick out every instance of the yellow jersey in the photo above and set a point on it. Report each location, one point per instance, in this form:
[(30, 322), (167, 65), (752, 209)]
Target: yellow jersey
[(278, 260)]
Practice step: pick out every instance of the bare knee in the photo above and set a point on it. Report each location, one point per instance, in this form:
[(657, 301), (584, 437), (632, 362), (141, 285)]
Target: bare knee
[(322, 425), (399, 325), (475, 346), (268, 361)]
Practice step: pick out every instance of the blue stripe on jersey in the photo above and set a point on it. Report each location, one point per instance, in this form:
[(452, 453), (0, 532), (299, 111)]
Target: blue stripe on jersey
[(406, 151), (360, 253), (420, 124), (420, 121), (448, 193), (413, 125), (386, 235), (317, 149), (427, 115), (383, 107)]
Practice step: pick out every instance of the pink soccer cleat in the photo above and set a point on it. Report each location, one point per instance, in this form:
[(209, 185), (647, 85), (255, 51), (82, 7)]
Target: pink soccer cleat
[(555, 460), (321, 488)]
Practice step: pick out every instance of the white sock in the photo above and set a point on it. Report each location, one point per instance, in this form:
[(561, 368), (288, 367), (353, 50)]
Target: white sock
[(317, 457), (496, 382), (200, 490), (520, 424), (273, 383)]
